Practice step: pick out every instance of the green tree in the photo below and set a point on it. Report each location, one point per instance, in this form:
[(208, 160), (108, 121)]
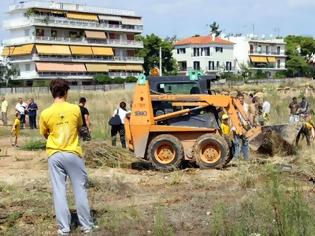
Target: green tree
[(214, 29), (299, 50), (151, 54), (8, 72)]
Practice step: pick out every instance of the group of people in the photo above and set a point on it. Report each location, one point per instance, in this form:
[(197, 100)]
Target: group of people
[(257, 111), (302, 112)]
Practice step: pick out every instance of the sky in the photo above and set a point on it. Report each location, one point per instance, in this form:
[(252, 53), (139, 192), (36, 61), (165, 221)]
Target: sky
[(185, 18)]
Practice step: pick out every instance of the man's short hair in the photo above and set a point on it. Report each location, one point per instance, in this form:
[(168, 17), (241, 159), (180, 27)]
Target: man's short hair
[(294, 98), (239, 94), (82, 100), (59, 88), (122, 105)]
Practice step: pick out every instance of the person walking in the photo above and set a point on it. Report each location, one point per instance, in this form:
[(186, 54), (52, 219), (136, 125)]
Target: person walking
[(21, 109), (85, 131), (118, 127), (32, 113), (60, 124), (4, 111), (294, 107), (304, 106)]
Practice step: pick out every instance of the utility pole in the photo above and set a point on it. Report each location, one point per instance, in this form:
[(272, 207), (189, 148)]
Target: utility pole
[(161, 61)]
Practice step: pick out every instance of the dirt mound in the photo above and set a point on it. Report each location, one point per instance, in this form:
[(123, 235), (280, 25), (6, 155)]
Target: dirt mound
[(100, 154)]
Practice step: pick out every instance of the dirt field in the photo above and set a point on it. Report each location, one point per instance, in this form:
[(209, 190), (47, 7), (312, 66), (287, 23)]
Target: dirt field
[(273, 196)]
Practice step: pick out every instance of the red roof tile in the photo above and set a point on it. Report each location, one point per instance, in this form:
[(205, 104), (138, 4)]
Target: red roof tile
[(203, 40)]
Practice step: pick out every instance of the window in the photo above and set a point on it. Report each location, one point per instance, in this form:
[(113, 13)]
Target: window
[(196, 52), (251, 48), (278, 64), (267, 49), (196, 65), (219, 49), (278, 50), (40, 33), (228, 66), (181, 51), (206, 52), (54, 33), (259, 49), (27, 67), (182, 65), (211, 65), (218, 65), (177, 88)]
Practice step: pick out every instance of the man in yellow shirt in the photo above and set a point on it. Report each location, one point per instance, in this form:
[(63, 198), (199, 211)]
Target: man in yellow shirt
[(60, 124)]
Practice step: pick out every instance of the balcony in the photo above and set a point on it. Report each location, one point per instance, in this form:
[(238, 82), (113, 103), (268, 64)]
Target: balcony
[(69, 7), (59, 22), (267, 53), (35, 57), (74, 41)]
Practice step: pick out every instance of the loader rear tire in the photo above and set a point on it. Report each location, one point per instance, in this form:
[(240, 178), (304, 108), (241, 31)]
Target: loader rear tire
[(211, 151), (165, 152)]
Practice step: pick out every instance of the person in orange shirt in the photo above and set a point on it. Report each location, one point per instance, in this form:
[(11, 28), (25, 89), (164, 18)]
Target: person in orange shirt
[(16, 129)]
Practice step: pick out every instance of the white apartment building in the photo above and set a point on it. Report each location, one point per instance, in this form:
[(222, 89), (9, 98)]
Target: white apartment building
[(72, 41), (259, 53), (206, 53)]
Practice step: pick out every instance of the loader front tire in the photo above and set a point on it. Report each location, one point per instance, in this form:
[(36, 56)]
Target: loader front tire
[(211, 151), (165, 152)]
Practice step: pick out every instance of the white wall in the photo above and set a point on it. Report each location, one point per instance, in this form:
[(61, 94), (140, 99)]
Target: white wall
[(241, 49)]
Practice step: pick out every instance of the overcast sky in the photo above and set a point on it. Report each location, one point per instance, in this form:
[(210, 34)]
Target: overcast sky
[(188, 17)]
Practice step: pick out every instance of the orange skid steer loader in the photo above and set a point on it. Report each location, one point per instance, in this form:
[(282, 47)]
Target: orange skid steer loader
[(177, 118)]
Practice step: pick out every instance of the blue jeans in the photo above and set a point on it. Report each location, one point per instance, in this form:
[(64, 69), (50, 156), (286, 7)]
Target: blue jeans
[(241, 146)]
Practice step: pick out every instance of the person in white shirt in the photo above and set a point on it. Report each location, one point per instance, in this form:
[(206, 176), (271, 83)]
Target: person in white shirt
[(266, 106), (21, 108), (4, 110), (119, 128)]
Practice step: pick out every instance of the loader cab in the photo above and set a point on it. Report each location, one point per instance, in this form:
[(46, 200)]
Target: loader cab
[(181, 85)]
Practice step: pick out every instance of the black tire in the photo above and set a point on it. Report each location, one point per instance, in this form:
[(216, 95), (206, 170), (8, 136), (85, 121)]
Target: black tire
[(170, 142), (220, 147)]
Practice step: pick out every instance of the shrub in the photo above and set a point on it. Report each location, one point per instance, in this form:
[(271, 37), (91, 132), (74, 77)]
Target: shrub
[(32, 145), (131, 79), (102, 79), (118, 80)]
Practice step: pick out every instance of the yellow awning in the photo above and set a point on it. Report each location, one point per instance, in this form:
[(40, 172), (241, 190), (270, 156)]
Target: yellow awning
[(53, 50), (7, 51), (81, 50), (258, 59), (96, 67), (134, 68), (271, 59), (117, 67), (82, 16), (102, 51), (95, 34), (23, 50)]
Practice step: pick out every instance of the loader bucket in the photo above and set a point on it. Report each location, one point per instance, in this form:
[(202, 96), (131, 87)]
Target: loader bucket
[(286, 133)]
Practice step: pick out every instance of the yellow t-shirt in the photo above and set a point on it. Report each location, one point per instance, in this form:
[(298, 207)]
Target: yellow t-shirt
[(61, 122), (4, 106), (17, 127), (225, 129)]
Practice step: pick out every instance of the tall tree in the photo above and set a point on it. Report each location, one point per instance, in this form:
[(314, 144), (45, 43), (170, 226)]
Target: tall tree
[(215, 29), (151, 54)]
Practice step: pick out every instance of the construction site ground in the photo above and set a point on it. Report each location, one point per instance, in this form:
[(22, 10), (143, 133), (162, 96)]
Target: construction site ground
[(127, 201)]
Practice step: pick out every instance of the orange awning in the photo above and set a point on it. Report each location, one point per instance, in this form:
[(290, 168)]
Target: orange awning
[(60, 67), (23, 50), (132, 21), (102, 51), (7, 51), (258, 59), (82, 16), (53, 50), (117, 67), (81, 50), (96, 67), (134, 68), (271, 59), (110, 18), (95, 34)]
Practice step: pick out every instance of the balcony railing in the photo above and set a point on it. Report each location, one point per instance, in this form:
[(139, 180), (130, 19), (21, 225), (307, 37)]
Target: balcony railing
[(276, 53), (85, 75), (64, 22), (62, 40), (36, 57)]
